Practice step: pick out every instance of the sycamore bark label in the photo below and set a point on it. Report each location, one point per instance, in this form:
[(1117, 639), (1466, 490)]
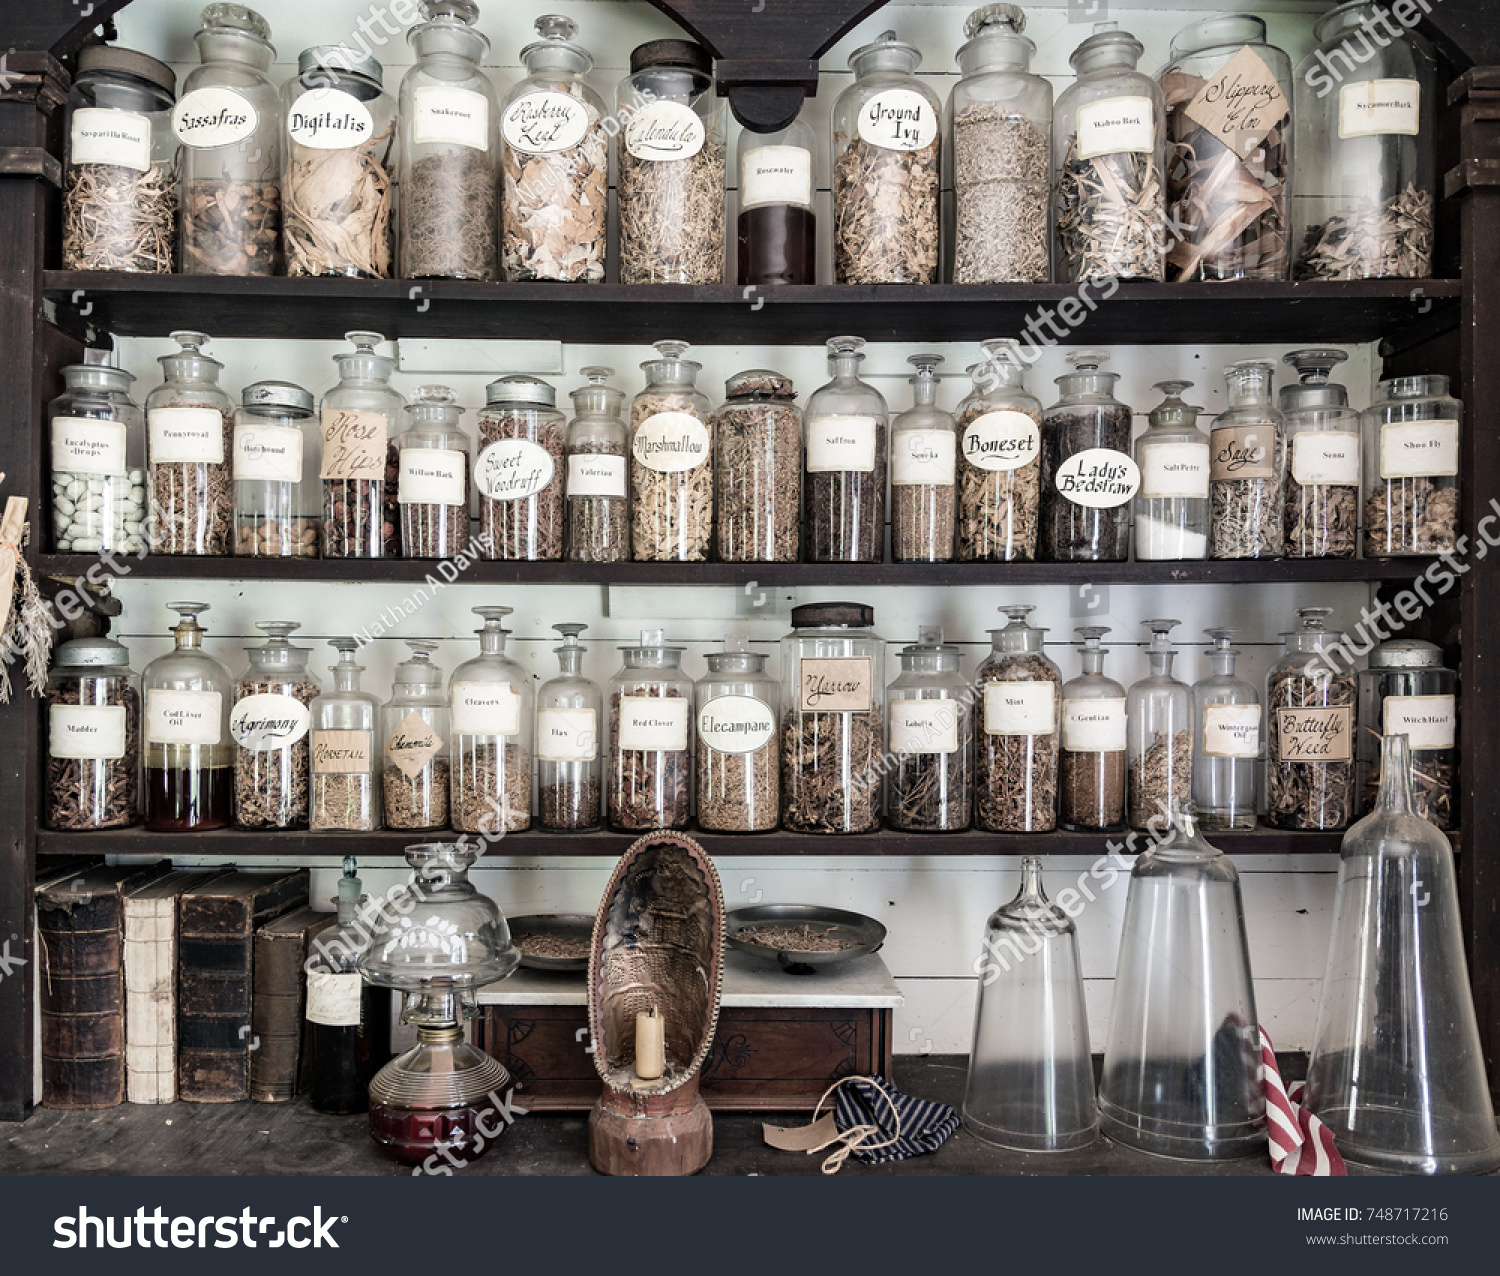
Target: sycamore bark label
[(1372, 108)]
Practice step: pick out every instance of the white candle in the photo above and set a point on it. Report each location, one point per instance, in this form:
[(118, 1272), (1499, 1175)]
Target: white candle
[(650, 1045)]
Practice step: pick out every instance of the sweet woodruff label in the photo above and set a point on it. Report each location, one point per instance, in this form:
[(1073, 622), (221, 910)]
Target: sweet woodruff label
[(1428, 722), (182, 717), (86, 731), (1093, 726), (567, 735), (1231, 730), (513, 470), (1244, 452), (341, 752), (654, 724), (736, 724), (412, 745), (266, 723), (1020, 708), (670, 442), (835, 684), (81, 446), (1314, 735)]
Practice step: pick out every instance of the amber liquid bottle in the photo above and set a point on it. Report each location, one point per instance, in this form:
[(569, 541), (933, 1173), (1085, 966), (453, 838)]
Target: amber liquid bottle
[(777, 245), (348, 1020)]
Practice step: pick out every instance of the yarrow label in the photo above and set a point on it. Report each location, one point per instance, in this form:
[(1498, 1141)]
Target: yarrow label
[(1099, 478), (329, 120), (670, 442), (545, 122), (81, 446), (119, 138), (451, 117), (1002, 440), (841, 445), (654, 724), (182, 717), (86, 731), (898, 120), (1093, 726), (835, 684), (1020, 708), (664, 130), (776, 175), (212, 117), (736, 724), (513, 469), (267, 723)]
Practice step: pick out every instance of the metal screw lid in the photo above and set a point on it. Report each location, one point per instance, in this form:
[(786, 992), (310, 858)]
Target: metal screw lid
[(339, 57), (90, 653), (819, 615), (281, 394), (106, 57), (517, 387), (1406, 653)]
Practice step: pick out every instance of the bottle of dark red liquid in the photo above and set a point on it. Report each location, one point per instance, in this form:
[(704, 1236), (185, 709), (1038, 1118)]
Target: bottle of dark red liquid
[(777, 226)]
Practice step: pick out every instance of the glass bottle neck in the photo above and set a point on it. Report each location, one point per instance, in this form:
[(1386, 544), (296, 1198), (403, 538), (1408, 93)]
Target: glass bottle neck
[(1222, 663), (1394, 796), (234, 46), (570, 660), (1160, 663), (844, 367), (924, 393), (1092, 662), (345, 679)]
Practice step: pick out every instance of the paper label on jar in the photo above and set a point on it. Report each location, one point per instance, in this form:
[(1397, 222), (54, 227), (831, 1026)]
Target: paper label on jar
[(1370, 108), (211, 117), (898, 120), (268, 453), (545, 122), (267, 723), (1231, 730), (595, 474), (923, 458), (451, 117), (98, 135), (1093, 726), (1175, 471), (1328, 458), (193, 436), (513, 469), (81, 446), (182, 717), (1099, 478), (1419, 449), (1427, 722), (431, 476), (354, 445), (736, 724), (1243, 452), (1314, 735), (486, 708), (670, 442), (924, 726), (567, 735), (1241, 104), (1020, 708), (329, 119), (341, 753), (776, 175), (1116, 125), (664, 130), (86, 731), (841, 445), (412, 745), (835, 684), (1003, 440), (333, 999), (654, 724)]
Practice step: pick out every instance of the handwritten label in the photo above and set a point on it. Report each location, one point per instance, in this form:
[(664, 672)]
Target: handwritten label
[(94, 731), (1020, 708), (653, 724), (432, 476), (1419, 449), (670, 442), (513, 469), (841, 445), (1003, 440), (776, 175), (412, 745), (1241, 104), (1326, 457), (333, 998), (268, 453), (446, 116), (486, 708), (329, 119), (736, 724), (898, 120), (1231, 730), (545, 122), (183, 717), (1371, 108), (924, 726), (664, 131), (595, 474), (1116, 125), (1174, 471), (354, 445), (186, 436), (835, 684), (81, 446), (923, 458), (1099, 478), (567, 735), (212, 117), (341, 753), (1093, 726), (98, 135), (1243, 452), (268, 723), (1427, 722), (1314, 735)]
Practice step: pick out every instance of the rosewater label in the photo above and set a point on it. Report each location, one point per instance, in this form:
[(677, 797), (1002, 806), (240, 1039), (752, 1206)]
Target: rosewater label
[(776, 175)]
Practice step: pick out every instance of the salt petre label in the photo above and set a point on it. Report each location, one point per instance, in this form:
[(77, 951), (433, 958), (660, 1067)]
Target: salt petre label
[(736, 724), (841, 445), (432, 476), (268, 453), (1314, 735), (341, 752), (1428, 722), (545, 122), (654, 724), (1244, 452), (81, 446), (94, 731), (1231, 730), (267, 723), (486, 708), (1020, 708), (329, 120), (567, 735), (1419, 449), (1116, 125), (1099, 478), (513, 470), (186, 436), (1174, 471), (412, 745), (449, 116), (924, 726), (212, 117), (835, 684), (596, 474), (670, 442), (1003, 440), (1093, 726), (898, 120), (1372, 108), (664, 130), (121, 139), (183, 717)]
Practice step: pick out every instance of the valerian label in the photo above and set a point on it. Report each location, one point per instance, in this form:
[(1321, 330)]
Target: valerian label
[(329, 120), (898, 120), (1098, 477)]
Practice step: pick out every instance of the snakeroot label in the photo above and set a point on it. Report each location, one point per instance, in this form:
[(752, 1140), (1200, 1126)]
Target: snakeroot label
[(835, 684), (1003, 440), (1314, 735), (1428, 722), (486, 708), (1419, 449), (266, 723), (776, 175), (329, 120), (1093, 726), (211, 117), (1175, 471), (1020, 708), (1374, 107), (101, 136), (451, 117), (190, 436), (341, 752), (670, 442), (595, 474), (841, 445), (81, 446), (1099, 478), (567, 735), (182, 717), (898, 120), (736, 724), (86, 731), (269, 453), (431, 476), (1116, 125), (1231, 730), (654, 724), (924, 726), (1325, 457), (664, 130), (923, 458), (545, 122), (513, 469)]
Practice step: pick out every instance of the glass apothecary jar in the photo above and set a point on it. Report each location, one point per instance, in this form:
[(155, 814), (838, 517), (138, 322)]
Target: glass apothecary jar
[(120, 183), (1108, 141), (98, 441), (493, 716), (93, 703), (1171, 507), (1406, 690), (361, 418), (671, 166), (189, 752), (758, 469), (999, 460), (345, 758), (1016, 721), (1247, 480), (1321, 517), (228, 120), (924, 472), (843, 497), (776, 231), (190, 436), (1310, 729), (1411, 434), (930, 740), (739, 746), (519, 472), (415, 726), (340, 158), (1159, 739), (886, 172), (999, 137), (671, 461), (569, 719), (1089, 479), (597, 491), (1226, 739), (555, 159), (271, 723), (1228, 99), (1366, 111), (432, 485), (1091, 769), (650, 738), (275, 511), (450, 149), (832, 719)]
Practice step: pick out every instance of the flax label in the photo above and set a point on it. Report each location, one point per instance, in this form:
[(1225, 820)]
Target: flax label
[(567, 735)]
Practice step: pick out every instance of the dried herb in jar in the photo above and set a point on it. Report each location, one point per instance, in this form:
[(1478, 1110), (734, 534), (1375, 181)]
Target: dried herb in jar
[(1015, 776), (527, 528), (1321, 521), (885, 203), (648, 788), (361, 517), (344, 801), (192, 502), (449, 216), (1309, 794), (672, 218), (672, 510), (1109, 217), (1411, 516), (337, 209), (417, 801), (929, 792), (997, 509), (1160, 777), (232, 228), (758, 473), (598, 526), (843, 509), (738, 792), (1092, 789), (96, 793), (1072, 532), (1001, 175), (271, 785), (1433, 784), (494, 793), (1391, 240), (115, 218), (570, 804), (831, 771)]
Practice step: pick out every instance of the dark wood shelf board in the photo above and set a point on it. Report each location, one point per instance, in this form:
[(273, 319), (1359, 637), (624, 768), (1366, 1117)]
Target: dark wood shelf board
[(1148, 314)]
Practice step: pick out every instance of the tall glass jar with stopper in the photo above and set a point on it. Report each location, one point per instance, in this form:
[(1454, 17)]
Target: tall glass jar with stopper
[(1406, 690), (1310, 729), (492, 706), (777, 227), (1248, 475), (93, 737), (450, 148), (271, 722), (1171, 507), (519, 471), (1000, 460), (98, 462), (189, 752), (361, 418), (275, 511), (650, 738), (924, 461), (415, 726), (1321, 516), (555, 156), (597, 494), (758, 469), (886, 173), (569, 731), (998, 128), (843, 498), (344, 758), (1411, 464), (1091, 769), (433, 483), (228, 119), (1226, 740), (671, 461), (190, 434), (739, 747), (929, 736), (1089, 478), (1159, 716), (1016, 720)]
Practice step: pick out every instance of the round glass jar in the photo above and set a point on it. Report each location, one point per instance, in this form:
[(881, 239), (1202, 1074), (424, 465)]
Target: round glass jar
[(345, 757), (415, 726), (569, 718), (1321, 516), (843, 497), (432, 485), (739, 754), (1016, 728), (777, 229), (98, 442), (491, 745), (597, 490), (1310, 730), (1247, 489), (190, 438), (275, 511), (1000, 460), (1091, 768), (1171, 507), (93, 704), (1406, 690), (1226, 740), (758, 469), (924, 463), (519, 472), (929, 739), (271, 723), (671, 461), (1159, 736), (1411, 459), (361, 417), (650, 738)]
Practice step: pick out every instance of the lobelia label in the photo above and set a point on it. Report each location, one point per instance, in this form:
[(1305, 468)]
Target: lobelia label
[(329, 120), (1241, 104), (268, 453), (736, 724), (412, 745), (664, 130), (1099, 478), (924, 726), (898, 120), (1419, 449), (81, 446), (1020, 708), (1231, 730), (450, 116), (776, 175), (1116, 125), (1002, 440), (333, 999), (206, 118), (1374, 107), (354, 445), (1175, 471), (267, 723), (923, 458), (86, 731), (1244, 452), (182, 717), (595, 474), (835, 684), (1428, 722), (192, 436), (1325, 457), (513, 469), (486, 708), (654, 724), (101, 136), (1093, 726), (567, 735), (670, 442), (841, 445), (341, 752), (545, 122), (1314, 735), (431, 476)]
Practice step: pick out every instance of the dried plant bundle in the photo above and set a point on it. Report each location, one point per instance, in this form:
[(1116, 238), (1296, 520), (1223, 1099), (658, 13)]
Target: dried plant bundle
[(491, 787), (1161, 777), (116, 218), (1001, 179), (831, 772), (337, 209)]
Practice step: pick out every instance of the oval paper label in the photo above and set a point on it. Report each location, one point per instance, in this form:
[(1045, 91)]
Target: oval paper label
[(898, 120), (1001, 441), (670, 442), (211, 117), (736, 724), (513, 469), (268, 722), (544, 123), (664, 131), (1098, 477), (329, 120)]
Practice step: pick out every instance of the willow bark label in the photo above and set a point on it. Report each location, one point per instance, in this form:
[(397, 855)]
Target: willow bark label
[(1372, 108), (1244, 452), (97, 135), (1094, 726), (329, 120), (1419, 449), (450, 116), (596, 474), (86, 731), (924, 726), (1427, 722), (431, 476), (654, 724), (183, 717), (486, 708), (513, 469), (354, 445), (567, 735), (81, 446), (670, 442), (1099, 478), (841, 445), (923, 458), (1020, 708), (835, 684), (1174, 471), (268, 453), (212, 117), (412, 745), (1241, 104), (898, 120), (341, 752), (736, 724), (1325, 457), (191, 436), (1117, 125), (1231, 730), (1314, 735), (1003, 440), (266, 723)]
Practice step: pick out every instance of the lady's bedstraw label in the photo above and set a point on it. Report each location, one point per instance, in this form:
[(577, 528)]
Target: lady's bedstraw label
[(841, 445), (186, 436), (354, 445), (1314, 735), (486, 708), (654, 724), (567, 735), (1419, 449), (1020, 708), (341, 752), (736, 724), (86, 731), (213, 117), (664, 130), (81, 446), (1428, 722), (924, 726), (545, 122), (1116, 125), (412, 745), (432, 476), (670, 442), (447, 116), (268, 453), (1175, 471), (596, 474), (268, 723), (1099, 478), (1231, 730), (183, 717), (1327, 458), (835, 684), (118, 138), (329, 120), (1372, 108), (1244, 452), (1001, 441), (1093, 726), (923, 458), (513, 469), (776, 175), (898, 120)]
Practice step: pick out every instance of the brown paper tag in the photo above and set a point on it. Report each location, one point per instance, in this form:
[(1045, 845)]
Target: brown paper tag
[(412, 745), (1241, 104), (354, 445), (1244, 452), (1314, 735), (340, 752), (802, 1138), (837, 684)]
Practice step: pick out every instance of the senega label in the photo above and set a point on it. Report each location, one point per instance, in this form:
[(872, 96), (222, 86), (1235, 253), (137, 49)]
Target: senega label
[(1001, 441), (1175, 470), (329, 120), (1326, 457), (431, 476), (776, 175), (206, 118), (513, 469), (736, 724), (1099, 478), (544, 123), (924, 726), (182, 717), (81, 446), (654, 724), (1231, 730), (1428, 722), (1093, 726), (1020, 708), (450, 116), (1116, 125), (94, 731), (567, 735), (268, 453), (1374, 107), (923, 458), (670, 442), (664, 130), (486, 708), (594, 474), (191, 436), (266, 723), (101, 136), (1419, 449), (898, 120), (841, 445)]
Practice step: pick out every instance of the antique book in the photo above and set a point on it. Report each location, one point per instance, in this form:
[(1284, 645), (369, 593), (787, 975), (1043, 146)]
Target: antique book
[(276, 1008), (216, 925)]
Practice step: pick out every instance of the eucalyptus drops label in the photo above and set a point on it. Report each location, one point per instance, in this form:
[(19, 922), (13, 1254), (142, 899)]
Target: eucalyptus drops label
[(211, 117), (267, 723), (1003, 440), (898, 120), (329, 120), (664, 130), (81, 446)]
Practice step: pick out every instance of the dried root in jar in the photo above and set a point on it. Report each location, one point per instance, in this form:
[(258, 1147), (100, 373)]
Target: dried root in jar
[(738, 792), (1321, 521), (1092, 789), (527, 528), (115, 218), (598, 526), (1109, 217), (256, 536), (570, 804), (1160, 777), (997, 509), (232, 228), (648, 788), (344, 801), (672, 511), (1001, 180), (270, 785), (1390, 240), (1307, 795), (930, 792), (758, 486), (192, 502), (97, 793), (831, 772)]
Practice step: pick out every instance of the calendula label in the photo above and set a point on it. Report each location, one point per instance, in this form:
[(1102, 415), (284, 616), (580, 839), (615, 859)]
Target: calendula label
[(81, 446), (1231, 730), (341, 752), (444, 116), (1001, 440), (1419, 449), (1020, 708), (354, 445), (898, 120), (654, 724), (670, 442), (545, 122), (1116, 125), (183, 717), (1241, 104), (1093, 726), (1315, 735), (776, 175), (923, 458), (664, 131), (1371, 108), (431, 476), (93, 731), (596, 474), (1244, 452), (412, 745), (1427, 722), (1175, 471), (567, 735), (924, 726), (513, 470), (1325, 458), (122, 139), (329, 119), (333, 999), (212, 117), (841, 445), (1099, 478), (736, 724), (267, 723), (185, 436), (268, 453), (486, 708), (835, 684)]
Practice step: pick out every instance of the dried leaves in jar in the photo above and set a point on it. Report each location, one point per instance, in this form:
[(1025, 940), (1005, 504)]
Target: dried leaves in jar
[(1411, 516), (830, 768), (345, 800), (231, 228), (845, 509), (337, 209), (672, 218), (417, 801), (449, 219), (997, 508), (1310, 767), (1321, 521), (931, 792), (1246, 497), (1015, 776), (1160, 777), (521, 520), (115, 218), (192, 502), (758, 478), (671, 479), (491, 791), (885, 213), (648, 788), (271, 784), (1109, 217), (1002, 196), (1390, 240), (96, 793)]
